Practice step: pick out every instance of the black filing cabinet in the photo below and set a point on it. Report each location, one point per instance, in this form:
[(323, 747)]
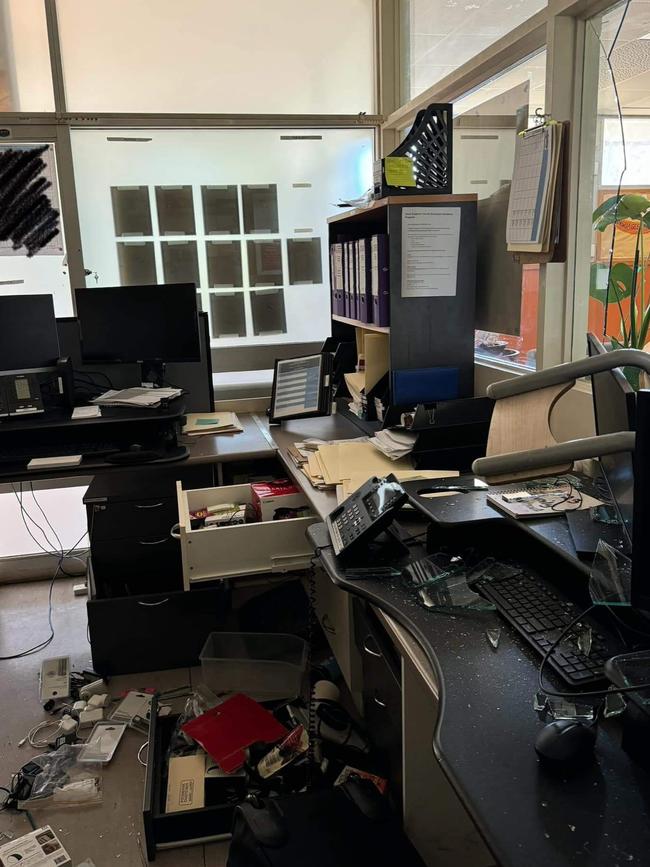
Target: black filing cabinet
[(139, 616), (382, 692)]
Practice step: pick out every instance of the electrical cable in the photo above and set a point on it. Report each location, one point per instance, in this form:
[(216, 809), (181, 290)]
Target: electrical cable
[(600, 693), (47, 641), (52, 551), (31, 739), (608, 60)]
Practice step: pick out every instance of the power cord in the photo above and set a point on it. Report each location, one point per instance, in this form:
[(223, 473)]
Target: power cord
[(599, 693), (47, 641)]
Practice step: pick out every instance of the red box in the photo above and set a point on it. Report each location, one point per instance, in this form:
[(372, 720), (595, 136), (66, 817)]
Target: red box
[(271, 499)]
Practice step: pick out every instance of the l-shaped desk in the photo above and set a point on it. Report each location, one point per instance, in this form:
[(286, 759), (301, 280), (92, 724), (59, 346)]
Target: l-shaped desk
[(481, 796), (473, 791)]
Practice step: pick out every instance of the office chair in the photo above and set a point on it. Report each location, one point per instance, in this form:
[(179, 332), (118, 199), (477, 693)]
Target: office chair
[(521, 444)]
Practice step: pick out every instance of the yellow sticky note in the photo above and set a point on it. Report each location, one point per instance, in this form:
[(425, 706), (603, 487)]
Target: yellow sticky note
[(399, 172)]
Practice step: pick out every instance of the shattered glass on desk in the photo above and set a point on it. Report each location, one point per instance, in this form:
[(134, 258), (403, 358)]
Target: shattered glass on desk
[(494, 637), (615, 705), (610, 578), (561, 708)]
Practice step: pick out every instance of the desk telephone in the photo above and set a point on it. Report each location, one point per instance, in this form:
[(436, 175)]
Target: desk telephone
[(365, 513)]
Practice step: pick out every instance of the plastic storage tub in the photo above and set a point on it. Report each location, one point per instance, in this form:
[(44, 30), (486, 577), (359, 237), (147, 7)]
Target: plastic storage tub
[(261, 664)]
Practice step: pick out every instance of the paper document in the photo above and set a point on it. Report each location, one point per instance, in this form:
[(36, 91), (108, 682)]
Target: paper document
[(137, 397), (86, 412), (199, 423), (532, 206), (430, 240)]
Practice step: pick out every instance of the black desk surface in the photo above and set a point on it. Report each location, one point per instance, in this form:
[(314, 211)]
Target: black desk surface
[(485, 734), (253, 443)]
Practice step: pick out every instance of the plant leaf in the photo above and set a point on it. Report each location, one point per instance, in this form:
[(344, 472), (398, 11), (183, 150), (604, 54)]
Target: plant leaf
[(620, 283), (630, 207)]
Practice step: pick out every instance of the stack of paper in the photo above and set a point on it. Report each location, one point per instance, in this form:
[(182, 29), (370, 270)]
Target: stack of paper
[(394, 444), (137, 397), (199, 423), (349, 486), (533, 209)]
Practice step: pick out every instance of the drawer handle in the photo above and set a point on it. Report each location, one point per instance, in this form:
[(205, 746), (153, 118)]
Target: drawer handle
[(149, 505), (153, 604), (378, 701), (155, 542), (369, 650), (175, 531)]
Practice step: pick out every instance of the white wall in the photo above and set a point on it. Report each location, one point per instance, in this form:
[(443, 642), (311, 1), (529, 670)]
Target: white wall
[(28, 61)]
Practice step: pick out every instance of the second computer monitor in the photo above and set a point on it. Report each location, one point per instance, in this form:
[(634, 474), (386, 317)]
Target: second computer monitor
[(28, 336), (139, 323)]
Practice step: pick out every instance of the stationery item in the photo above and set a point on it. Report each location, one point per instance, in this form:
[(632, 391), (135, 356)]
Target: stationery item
[(103, 741), (86, 412), (533, 218), (541, 498), (150, 398), (186, 783), (273, 500), (394, 443), (40, 848), (380, 280), (199, 423), (226, 730), (338, 304), (364, 278), (295, 744), (54, 462), (430, 243), (132, 705), (346, 282), (424, 385)]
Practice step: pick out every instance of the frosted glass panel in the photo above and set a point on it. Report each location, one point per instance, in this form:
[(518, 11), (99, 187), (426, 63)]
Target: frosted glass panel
[(25, 72), (206, 56), (289, 183)]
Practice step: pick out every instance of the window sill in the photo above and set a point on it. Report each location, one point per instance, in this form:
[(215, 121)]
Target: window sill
[(504, 366)]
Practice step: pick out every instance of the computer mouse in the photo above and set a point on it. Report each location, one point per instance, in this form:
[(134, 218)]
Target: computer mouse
[(566, 741)]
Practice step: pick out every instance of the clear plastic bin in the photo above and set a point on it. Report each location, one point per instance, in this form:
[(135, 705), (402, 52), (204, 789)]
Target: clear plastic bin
[(263, 665)]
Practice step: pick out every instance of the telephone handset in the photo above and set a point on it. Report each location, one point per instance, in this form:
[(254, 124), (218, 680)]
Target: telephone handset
[(365, 513)]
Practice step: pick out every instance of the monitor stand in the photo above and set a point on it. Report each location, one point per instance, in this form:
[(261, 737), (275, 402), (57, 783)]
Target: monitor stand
[(152, 373)]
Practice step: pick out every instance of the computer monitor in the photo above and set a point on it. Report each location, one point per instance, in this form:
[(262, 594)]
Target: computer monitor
[(28, 335), (614, 411), (151, 325)]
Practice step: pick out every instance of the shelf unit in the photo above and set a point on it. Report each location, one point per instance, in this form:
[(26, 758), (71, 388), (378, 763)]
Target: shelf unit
[(424, 332), (356, 323)]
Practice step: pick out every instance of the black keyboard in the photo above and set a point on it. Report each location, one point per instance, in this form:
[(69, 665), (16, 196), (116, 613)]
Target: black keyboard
[(17, 453), (540, 615)]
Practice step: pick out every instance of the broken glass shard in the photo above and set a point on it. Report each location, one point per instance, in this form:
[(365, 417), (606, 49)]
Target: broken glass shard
[(494, 637)]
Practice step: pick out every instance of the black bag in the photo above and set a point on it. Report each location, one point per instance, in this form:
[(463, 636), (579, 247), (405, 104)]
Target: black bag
[(346, 826)]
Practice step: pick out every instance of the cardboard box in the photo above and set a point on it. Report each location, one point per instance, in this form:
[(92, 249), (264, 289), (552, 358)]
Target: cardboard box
[(40, 848), (276, 500), (186, 783)]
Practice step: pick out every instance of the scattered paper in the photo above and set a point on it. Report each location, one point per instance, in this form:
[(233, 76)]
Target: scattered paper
[(86, 412)]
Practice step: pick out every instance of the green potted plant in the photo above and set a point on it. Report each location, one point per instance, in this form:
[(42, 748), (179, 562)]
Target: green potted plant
[(629, 213)]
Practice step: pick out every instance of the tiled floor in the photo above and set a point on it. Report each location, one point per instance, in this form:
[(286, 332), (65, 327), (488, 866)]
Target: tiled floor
[(110, 834)]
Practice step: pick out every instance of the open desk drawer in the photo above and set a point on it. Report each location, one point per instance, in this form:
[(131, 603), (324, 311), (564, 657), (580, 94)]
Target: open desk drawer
[(243, 549)]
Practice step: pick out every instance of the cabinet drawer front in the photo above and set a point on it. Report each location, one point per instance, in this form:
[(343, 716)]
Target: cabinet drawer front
[(137, 519), (164, 630), (132, 566)]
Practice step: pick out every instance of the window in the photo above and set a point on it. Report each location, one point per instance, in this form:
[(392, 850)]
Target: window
[(486, 123), (240, 213), (25, 72), (441, 35), (251, 56), (616, 161)]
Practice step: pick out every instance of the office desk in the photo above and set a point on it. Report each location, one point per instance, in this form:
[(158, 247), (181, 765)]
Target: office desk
[(254, 443), (471, 708), (484, 736)]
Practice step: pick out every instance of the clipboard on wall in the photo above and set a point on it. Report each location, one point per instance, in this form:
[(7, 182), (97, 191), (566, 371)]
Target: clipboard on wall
[(537, 211)]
